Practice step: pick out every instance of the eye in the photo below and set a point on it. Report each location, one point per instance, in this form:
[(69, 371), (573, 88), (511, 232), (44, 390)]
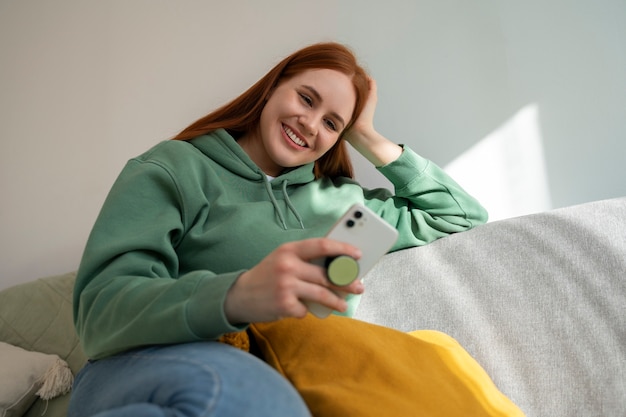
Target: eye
[(306, 99), (331, 125)]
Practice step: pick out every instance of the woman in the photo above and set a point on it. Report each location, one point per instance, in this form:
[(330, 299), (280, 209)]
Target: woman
[(202, 235)]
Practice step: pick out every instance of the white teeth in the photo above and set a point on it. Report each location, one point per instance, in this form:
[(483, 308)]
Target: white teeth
[(293, 137)]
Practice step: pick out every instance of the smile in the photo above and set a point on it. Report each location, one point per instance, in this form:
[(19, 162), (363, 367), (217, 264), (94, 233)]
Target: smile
[(294, 138)]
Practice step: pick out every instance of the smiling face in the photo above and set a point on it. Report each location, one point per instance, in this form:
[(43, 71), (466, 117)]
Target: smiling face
[(302, 119)]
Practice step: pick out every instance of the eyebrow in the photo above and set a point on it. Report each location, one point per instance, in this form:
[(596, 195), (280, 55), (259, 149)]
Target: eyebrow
[(317, 95)]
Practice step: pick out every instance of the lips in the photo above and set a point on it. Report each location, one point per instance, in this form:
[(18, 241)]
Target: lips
[(294, 138)]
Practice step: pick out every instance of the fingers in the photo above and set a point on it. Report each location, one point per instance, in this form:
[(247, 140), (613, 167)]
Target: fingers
[(373, 88), (314, 285), (280, 284), (295, 260), (334, 298), (363, 126), (317, 248)]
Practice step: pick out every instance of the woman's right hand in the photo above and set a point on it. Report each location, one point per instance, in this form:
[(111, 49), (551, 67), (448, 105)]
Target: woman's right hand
[(278, 285)]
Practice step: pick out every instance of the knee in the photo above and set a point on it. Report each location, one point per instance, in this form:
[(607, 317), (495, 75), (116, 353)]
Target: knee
[(243, 385), (197, 379)]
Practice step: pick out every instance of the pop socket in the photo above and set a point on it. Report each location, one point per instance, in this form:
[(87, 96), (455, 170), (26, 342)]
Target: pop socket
[(342, 270)]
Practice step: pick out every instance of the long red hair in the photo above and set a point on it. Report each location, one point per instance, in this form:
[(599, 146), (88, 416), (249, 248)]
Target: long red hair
[(243, 113)]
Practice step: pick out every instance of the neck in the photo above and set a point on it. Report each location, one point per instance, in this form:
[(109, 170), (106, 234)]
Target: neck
[(253, 147)]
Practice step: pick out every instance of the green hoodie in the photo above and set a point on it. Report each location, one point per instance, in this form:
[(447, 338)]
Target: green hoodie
[(185, 219)]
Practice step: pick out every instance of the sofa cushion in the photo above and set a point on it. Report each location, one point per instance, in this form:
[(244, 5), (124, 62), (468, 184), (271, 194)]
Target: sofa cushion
[(538, 300), (37, 316)]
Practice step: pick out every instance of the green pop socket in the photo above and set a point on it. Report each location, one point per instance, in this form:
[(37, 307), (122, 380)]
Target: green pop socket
[(342, 270)]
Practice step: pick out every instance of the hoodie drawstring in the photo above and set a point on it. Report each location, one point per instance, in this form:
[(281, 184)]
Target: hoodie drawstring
[(290, 205), (268, 187)]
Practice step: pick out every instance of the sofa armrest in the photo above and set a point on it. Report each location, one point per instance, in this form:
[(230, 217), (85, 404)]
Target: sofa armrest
[(538, 300)]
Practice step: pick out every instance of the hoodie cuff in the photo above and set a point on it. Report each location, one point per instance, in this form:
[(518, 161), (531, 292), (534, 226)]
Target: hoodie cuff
[(205, 310), (404, 170)]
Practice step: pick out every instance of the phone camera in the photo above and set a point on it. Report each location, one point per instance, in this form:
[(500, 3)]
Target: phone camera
[(358, 214), (350, 223)]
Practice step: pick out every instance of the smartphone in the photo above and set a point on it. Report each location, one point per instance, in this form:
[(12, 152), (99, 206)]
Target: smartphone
[(366, 230)]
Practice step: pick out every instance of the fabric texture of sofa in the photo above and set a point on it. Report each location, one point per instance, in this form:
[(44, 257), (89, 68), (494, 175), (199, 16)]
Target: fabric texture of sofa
[(539, 301)]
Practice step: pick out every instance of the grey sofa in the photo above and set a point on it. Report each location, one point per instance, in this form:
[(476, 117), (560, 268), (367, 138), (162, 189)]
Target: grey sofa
[(538, 300)]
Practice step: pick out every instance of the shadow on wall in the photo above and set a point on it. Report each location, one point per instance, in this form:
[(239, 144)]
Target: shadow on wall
[(506, 171)]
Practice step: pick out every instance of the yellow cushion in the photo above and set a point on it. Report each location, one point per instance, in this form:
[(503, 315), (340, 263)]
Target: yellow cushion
[(345, 367)]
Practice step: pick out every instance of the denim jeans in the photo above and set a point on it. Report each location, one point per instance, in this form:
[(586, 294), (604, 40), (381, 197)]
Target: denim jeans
[(187, 380)]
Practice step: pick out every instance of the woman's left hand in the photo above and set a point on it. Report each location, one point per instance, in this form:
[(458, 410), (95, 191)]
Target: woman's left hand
[(365, 139)]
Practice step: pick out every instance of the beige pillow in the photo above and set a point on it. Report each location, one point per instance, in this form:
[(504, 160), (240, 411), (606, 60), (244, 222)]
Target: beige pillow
[(26, 375)]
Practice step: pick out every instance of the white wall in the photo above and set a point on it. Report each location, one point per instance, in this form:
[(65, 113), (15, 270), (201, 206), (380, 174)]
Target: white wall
[(86, 85)]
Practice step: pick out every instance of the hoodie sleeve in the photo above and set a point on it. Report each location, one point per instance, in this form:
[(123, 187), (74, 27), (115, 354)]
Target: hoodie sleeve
[(128, 292), (427, 203)]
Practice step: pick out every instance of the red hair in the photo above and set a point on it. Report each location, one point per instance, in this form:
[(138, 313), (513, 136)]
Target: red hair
[(244, 112)]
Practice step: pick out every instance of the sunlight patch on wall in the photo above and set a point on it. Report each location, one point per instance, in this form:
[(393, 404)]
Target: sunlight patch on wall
[(506, 170)]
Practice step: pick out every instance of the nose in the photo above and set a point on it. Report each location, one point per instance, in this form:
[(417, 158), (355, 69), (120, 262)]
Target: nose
[(309, 123)]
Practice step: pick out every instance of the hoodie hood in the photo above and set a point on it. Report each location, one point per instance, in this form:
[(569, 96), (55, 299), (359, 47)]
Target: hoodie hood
[(222, 148)]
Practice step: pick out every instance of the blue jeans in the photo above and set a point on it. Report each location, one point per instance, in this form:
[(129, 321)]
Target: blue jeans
[(187, 380)]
